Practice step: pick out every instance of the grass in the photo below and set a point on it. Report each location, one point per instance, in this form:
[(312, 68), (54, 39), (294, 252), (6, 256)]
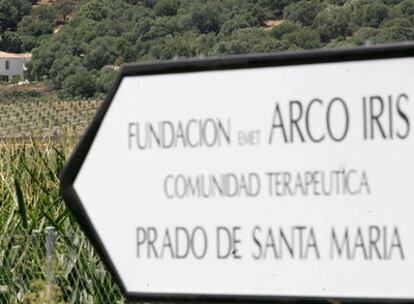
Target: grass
[(37, 134), (30, 202)]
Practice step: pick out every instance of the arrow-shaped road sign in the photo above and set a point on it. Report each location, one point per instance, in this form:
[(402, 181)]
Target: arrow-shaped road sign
[(254, 177)]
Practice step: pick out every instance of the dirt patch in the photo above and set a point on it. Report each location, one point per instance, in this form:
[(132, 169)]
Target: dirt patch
[(269, 24), (38, 87), (44, 2)]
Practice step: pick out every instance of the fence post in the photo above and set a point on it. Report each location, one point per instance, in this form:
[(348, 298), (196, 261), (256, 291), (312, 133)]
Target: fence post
[(50, 253)]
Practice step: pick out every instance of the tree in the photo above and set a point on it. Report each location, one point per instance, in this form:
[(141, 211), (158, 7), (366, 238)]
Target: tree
[(269, 45), (277, 6), (45, 13), (83, 30), (80, 84), (147, 3), (95, 10), (124, 49), (43, 58), (166, 7), (395, 34), (62, 68), (365, 35), (39, 23), (105, 50), (374, 14), (333, 22), (10, 42), (99, 57), (392, 2), (231, 25), (64, 8), (286, 27), (160, 28), (203, 45), (206, 18), (171, 48), (107, 32), (105, 80), (249, 40), (337, 2), (398, 29), (366, 13), (407, 7), (32, 26), (304, 38), (28, 43), (11, 12), (303, 12)]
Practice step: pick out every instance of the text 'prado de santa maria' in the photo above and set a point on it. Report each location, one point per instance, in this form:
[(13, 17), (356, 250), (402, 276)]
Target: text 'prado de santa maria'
[(287, 175)]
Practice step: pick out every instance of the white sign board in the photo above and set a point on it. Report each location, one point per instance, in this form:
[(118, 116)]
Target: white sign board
[(272, 181)]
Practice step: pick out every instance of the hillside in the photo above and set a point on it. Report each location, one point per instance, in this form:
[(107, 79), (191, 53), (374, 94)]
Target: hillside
[(76, 45)]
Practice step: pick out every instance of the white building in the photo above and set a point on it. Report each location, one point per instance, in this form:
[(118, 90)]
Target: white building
[(13, 65)]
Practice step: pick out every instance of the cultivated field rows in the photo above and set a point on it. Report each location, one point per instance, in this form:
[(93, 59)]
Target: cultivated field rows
[(44, 117)]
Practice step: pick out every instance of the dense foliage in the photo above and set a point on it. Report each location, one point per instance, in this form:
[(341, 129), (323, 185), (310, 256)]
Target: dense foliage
[(25, 23), (80, 58)]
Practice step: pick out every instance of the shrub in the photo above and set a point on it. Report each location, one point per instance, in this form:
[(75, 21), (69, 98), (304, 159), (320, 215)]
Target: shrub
[(62, 68), (305, 38), (286, 27), (105, 80), (28, 43), (95, 10), (407, 7), (364, 35), (206, 18), (64, 8), (303, 12), (35, 27), (270, 46), (374, 14), (11, 12), (80, 84), (10, 42), (278, 5), (398, 29), (368, 13), (332, 23), (166, 7)]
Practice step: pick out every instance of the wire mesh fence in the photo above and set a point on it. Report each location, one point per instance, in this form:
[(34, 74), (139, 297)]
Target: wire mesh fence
[(49, 267)]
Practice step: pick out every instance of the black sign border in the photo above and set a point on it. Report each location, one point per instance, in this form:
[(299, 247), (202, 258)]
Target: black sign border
[(72, 168)]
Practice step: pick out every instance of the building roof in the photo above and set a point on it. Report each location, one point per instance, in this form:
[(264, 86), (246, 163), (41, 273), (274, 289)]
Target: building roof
[(6, 55)]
